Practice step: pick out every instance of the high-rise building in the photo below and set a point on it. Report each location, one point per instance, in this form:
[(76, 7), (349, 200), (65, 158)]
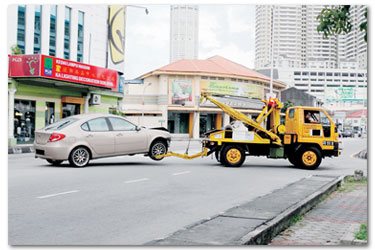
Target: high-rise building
[(307, 61), (184, 32)]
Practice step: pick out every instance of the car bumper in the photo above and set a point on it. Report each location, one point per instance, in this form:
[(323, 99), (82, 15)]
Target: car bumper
[(53, 151)]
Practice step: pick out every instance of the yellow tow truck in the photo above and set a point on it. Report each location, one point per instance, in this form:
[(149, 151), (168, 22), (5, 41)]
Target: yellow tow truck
[(309, 134)]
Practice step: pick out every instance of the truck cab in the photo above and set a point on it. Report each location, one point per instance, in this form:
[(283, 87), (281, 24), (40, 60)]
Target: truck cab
[(310, 128)]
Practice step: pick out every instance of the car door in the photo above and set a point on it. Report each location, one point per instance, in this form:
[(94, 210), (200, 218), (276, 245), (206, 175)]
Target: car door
[(98, 135), (128, 138)]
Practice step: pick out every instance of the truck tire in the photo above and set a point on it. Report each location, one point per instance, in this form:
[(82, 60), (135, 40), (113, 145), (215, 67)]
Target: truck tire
[(232, 156), (217, 155), (309, 158), (292, 159)]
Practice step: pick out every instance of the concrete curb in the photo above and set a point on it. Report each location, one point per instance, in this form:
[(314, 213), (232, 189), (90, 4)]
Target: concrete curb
[(264, 234), (257, 228), (21, 149), (349, 239)]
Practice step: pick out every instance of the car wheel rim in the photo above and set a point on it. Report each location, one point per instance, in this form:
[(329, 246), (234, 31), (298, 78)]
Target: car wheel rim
[(309, 158), (158, 149), (80, 157)]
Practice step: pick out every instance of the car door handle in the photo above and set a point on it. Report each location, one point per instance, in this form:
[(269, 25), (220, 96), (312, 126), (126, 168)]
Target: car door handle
[(119, 134), (89, 136)]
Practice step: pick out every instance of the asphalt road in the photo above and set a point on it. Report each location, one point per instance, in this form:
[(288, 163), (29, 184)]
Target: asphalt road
[(132, 200)]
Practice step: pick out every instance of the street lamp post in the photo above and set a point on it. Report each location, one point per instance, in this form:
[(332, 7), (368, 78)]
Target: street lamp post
[(272, 48), (143, 100), (136, 6)]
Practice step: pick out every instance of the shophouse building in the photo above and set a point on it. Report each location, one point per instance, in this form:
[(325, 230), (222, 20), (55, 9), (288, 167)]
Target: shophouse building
[(170, 96), (64, 65)]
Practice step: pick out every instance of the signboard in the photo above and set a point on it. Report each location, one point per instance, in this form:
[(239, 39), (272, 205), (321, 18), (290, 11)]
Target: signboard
[(345, 94), (181, 91), (24, 66), (61, 69), (116, 37), (241, 89)]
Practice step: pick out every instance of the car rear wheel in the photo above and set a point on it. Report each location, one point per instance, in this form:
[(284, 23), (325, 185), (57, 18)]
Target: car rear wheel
[(54, 162), (158, 148), (79, 157)]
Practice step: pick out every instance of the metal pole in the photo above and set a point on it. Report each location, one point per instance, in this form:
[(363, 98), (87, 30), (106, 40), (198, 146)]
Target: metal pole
[(143, 100), (272, 45)]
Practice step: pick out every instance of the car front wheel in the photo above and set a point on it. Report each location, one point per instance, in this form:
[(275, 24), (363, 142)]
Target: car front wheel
[(79, 157), (158, 148)]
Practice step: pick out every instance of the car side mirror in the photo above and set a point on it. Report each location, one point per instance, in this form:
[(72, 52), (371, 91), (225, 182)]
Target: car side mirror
[(138, 128)]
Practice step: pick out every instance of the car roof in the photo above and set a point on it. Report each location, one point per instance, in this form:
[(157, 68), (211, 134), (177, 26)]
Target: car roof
[(91, 116)]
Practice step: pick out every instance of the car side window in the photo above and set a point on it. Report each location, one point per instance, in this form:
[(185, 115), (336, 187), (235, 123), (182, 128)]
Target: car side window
[(98, 124), (119, 124), (85, 126)]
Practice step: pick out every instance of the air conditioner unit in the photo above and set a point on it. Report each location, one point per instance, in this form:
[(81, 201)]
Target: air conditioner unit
[(95, 99)]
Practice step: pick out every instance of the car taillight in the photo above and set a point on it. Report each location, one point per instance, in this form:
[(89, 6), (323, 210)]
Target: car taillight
[(56, 137)]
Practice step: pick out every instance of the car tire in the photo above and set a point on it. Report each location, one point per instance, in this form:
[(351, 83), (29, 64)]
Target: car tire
[(79, 157), (309, 158), (158, 147), (54, 162), (232, 156)]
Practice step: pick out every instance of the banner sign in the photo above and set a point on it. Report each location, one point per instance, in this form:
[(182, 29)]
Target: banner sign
[(24, 66), (61, 69), (181, 91), (241, 89), (116, 37), (345, 94)]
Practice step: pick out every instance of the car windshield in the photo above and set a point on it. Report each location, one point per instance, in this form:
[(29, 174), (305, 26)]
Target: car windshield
[(61, 124)]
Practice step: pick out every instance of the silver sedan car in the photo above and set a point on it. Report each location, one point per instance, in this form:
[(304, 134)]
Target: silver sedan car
[(81, 138)]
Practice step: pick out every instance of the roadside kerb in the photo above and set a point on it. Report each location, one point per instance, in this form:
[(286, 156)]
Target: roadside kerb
[(259, 220), (270, 229)]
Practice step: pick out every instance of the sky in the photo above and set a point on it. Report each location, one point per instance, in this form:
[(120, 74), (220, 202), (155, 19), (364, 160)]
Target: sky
[(225, 30)]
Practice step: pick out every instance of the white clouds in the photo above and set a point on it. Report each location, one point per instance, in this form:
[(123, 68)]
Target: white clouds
[(225, 30)]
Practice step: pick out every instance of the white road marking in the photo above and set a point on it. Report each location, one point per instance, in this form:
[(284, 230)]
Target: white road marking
[(186, 172), (53, 195), (138, 180)]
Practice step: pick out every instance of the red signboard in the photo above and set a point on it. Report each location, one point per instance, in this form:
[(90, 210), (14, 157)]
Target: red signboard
[(24, 65), (61, 69)]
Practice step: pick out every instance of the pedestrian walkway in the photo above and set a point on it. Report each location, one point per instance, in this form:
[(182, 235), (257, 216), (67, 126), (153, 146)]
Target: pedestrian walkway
[(330, 221)]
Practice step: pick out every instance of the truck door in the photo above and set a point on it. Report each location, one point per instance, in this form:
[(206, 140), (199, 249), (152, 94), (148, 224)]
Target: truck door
[(326, 124), (312, 126)]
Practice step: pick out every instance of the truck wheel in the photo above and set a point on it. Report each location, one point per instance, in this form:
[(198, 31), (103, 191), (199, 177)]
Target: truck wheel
[(232, 156), (292, 159), (217, 155), (310, 158)]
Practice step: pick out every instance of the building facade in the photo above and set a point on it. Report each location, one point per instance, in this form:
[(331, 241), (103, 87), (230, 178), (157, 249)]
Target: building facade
[(62, 67), (309, 62), (170, 96), (184, 32)]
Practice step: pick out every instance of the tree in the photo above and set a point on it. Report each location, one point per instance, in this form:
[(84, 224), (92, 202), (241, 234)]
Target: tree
[(16, 50), (336, 20), (286, 105)]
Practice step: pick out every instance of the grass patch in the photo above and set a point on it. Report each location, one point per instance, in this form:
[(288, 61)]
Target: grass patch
[(295, 219), (351, 184), (362, 234)]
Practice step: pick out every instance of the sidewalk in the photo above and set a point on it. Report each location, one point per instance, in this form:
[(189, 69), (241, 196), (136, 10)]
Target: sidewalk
[(332, 222)]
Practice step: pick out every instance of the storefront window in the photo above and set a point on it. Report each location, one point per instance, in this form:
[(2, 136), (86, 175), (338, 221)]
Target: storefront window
[(24, 121), (70, 109), (178, 123), (37, 29), (50, 113), (21, 28), (206, 123)]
